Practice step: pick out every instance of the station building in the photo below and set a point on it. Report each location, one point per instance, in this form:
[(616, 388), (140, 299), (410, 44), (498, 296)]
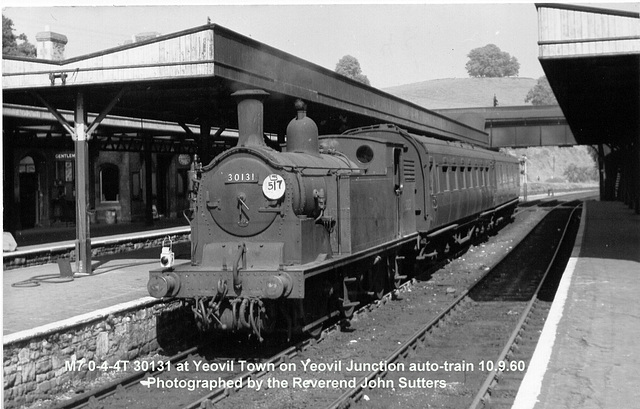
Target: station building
[(39, 171)]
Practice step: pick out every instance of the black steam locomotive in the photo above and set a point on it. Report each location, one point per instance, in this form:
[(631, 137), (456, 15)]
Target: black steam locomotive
[(283, 241)]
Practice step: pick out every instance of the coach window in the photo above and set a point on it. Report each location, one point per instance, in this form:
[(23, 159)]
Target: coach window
[(457, 175), (465, 177), (468, 183), (444, 179), (453, 179), (432, 180), (109, 183)]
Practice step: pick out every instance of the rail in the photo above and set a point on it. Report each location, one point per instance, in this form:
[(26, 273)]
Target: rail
[(483, 397), (418, 339)]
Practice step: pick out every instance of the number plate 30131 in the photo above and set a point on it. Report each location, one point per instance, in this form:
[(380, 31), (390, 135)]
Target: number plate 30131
[(247, 177)]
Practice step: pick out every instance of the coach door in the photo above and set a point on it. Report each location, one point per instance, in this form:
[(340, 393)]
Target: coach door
[(433, 198), (398, 175), (443, 195)]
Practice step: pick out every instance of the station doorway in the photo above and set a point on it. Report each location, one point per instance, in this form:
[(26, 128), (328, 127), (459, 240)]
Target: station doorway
[(29, 193)]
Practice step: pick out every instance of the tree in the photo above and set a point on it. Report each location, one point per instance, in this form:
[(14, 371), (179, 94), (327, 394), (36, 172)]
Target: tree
[(10, 44), (490, 62), (541, 93), (578, 174), (350, 67)]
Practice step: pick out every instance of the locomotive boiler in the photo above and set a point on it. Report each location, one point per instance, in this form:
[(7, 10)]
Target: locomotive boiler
[(283, 241)]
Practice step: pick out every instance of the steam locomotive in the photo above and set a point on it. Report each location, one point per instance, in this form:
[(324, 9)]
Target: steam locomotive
[(283, 241)]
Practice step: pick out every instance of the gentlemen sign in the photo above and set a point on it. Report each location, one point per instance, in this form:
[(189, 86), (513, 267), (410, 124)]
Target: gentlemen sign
[(65, 156)]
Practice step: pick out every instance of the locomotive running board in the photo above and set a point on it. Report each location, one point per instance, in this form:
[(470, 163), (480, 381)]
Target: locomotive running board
[(337, 261), (443, 230)]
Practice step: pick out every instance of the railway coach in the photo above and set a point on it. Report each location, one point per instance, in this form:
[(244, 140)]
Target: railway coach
[(283, 241)]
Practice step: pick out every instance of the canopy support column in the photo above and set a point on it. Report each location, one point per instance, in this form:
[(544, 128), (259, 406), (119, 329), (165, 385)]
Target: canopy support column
[(81, 134), (81, 139)]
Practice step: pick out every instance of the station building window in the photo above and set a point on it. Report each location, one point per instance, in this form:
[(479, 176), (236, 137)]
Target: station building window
[(27, 165), (109, 183)]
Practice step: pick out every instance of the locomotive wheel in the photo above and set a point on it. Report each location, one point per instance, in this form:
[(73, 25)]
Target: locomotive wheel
[(319, 311), (379, 284), (391, 274), (317, 307)]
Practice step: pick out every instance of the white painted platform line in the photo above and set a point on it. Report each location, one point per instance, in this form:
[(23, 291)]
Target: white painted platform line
[(529, 391)]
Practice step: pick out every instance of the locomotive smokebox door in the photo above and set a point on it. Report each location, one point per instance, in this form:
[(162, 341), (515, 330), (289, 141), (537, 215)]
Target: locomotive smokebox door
[(237, 199)]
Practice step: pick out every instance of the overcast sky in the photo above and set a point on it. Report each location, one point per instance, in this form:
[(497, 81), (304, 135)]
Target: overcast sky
[(394, 43)]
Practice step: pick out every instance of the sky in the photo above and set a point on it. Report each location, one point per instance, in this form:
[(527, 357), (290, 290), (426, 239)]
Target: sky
[(395, 43)]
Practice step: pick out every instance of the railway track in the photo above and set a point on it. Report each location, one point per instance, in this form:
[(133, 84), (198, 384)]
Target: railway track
[(436, 341), (125, 390), (501, 386), (235, 373), (239, 380), (340, 379)]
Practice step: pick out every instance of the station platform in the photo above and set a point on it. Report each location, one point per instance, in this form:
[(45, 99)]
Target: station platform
[(62, 233), (587, 356), (37, 298)]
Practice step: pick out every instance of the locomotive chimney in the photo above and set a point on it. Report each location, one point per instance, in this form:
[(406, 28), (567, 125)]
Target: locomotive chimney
[(250, 116), (302, 132)]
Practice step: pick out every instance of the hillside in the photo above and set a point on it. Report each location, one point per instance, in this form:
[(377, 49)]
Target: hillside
[(546, 165), (550, 162), (465, 92)]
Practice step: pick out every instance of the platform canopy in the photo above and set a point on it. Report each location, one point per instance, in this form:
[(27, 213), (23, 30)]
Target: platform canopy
[(591, 57), (188, 77)]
